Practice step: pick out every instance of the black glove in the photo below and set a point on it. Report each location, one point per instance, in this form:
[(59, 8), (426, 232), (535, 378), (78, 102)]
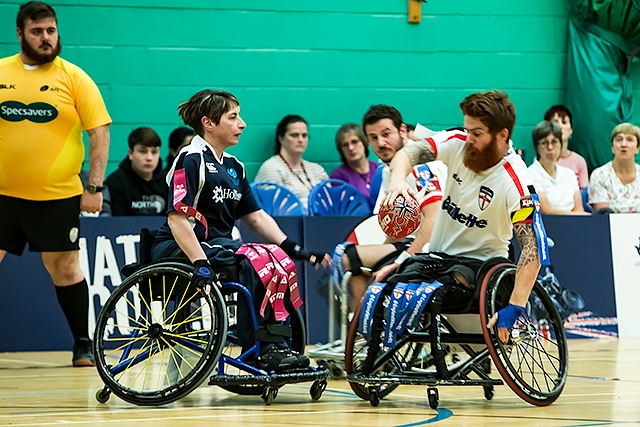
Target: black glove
[(202, 274), (294, 250)]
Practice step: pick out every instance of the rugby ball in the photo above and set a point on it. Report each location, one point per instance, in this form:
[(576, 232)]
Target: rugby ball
[(400, 220)]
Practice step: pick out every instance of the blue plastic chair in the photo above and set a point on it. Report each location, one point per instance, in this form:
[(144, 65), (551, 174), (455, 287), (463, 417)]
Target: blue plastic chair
[(585, 200), (334, 197), (276, 199)]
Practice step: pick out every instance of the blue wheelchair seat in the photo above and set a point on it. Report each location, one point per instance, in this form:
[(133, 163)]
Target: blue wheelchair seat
[(338, 198), (276, 199)]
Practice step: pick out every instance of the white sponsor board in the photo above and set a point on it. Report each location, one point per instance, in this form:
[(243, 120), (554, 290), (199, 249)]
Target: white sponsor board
[(625, 251)]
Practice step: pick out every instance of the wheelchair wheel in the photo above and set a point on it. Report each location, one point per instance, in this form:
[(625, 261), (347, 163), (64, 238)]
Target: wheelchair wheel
[(157, 338), (534, 363), (298, 343), (389, 361)]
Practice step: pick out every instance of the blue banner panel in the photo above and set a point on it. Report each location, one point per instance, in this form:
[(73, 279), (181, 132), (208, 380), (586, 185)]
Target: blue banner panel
[(581, 257), (28, 301)]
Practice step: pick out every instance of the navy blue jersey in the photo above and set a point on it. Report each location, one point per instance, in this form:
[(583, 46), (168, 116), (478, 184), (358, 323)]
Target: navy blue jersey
[(216, 188)]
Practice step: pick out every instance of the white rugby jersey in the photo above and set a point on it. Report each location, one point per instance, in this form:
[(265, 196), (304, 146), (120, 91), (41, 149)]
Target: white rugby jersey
[(478, 209)]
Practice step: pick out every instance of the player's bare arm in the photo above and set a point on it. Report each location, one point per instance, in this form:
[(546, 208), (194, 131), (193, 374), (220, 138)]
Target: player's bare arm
[(266, 227), (401, 166), (528, 263), (184, 236), (98, 156), (419, 153), (526, 272)]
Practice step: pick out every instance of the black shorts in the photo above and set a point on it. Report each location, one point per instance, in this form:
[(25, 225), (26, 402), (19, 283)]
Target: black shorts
[(48, 226)]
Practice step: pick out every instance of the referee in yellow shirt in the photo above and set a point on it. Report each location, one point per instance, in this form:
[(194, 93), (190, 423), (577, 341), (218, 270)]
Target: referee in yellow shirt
[(45, 103)]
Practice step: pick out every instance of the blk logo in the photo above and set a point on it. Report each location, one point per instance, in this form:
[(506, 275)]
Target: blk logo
[(7, 86)]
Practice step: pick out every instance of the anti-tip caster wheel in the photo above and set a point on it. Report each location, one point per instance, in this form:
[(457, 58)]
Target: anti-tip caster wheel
[(488, 392), (374, 396), (317, 388), (103, 395), (432, 395), (269, 394)]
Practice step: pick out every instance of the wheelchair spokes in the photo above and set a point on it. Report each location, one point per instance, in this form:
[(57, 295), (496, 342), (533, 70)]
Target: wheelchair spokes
[(157, 336), (534, 363)]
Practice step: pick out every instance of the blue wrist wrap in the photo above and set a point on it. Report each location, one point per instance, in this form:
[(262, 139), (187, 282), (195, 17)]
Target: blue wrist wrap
[(508, 316)]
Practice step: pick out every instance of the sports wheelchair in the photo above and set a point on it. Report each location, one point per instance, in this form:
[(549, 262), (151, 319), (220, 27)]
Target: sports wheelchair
[(533, 363), (158, 338)]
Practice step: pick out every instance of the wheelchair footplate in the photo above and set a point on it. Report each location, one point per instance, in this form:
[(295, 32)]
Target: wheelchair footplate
[(375, 385), (273, 379), (417, 380), (269, 383)]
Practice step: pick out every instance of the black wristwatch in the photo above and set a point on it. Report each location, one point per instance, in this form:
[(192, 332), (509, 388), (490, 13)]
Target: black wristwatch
[(93, 189)]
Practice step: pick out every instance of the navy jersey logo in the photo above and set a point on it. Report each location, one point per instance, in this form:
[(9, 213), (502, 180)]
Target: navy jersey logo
[(234, 175), (484, 197)]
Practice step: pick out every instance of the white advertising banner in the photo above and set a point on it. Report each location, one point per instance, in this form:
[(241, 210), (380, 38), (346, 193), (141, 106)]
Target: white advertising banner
[(625, 252)]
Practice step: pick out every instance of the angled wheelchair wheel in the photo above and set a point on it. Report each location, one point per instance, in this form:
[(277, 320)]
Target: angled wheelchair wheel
[(298, 343), (157, 337), (534, 363), (404, 358)]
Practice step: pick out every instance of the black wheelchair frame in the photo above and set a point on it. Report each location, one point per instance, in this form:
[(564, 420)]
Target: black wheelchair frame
[(534, 363)]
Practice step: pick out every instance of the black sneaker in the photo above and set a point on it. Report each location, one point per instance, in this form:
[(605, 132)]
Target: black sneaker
[(275, 359), (303, 360), (83, 353)]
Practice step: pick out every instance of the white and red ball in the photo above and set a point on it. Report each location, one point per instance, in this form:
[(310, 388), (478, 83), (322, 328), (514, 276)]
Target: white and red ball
[(402, 219)]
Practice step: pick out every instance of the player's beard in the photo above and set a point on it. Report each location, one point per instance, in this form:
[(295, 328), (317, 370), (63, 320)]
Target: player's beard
[(481, 160), (40, 58)]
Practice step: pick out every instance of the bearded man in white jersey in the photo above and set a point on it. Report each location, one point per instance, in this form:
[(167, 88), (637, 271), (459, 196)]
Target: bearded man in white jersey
[(490, 195)]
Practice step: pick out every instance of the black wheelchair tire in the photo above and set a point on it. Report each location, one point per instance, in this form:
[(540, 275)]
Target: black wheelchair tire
[(492, 298), (210, 353)]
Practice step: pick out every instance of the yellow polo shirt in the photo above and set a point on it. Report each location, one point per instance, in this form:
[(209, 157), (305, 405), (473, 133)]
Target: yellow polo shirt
[(43, 111)]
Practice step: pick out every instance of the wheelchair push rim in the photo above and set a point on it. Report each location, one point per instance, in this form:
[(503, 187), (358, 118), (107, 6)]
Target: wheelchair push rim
[(157, 337), (534, 363)]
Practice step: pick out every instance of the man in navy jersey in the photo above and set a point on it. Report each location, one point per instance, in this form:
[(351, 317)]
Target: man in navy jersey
[(488, 197), (208, 192)]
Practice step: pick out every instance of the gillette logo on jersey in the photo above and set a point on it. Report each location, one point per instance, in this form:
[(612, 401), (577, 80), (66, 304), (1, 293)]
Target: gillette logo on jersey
[(469, 220)]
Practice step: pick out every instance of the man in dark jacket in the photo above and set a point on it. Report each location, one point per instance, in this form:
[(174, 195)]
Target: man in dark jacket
[(138, 186)]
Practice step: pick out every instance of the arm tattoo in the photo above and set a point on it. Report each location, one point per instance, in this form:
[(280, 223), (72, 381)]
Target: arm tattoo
[(528, 244), (419, 153)]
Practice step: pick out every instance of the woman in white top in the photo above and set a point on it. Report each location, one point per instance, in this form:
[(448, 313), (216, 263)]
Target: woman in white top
[(557, 186), (287, 167), (615, 187)]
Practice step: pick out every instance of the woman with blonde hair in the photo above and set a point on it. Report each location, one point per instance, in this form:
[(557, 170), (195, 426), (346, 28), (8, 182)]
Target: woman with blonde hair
[(615, 186)]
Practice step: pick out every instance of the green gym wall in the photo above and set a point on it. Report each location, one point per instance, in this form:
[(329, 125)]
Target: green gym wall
[(325, 60)]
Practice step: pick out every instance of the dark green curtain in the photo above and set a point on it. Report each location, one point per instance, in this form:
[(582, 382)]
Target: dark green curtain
[(603, 37)]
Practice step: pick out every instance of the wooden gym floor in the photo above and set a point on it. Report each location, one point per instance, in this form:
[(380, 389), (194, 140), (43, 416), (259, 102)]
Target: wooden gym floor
[(603, 389)]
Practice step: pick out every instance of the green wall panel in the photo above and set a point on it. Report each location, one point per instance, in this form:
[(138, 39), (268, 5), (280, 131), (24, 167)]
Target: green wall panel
[(326, 60)]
